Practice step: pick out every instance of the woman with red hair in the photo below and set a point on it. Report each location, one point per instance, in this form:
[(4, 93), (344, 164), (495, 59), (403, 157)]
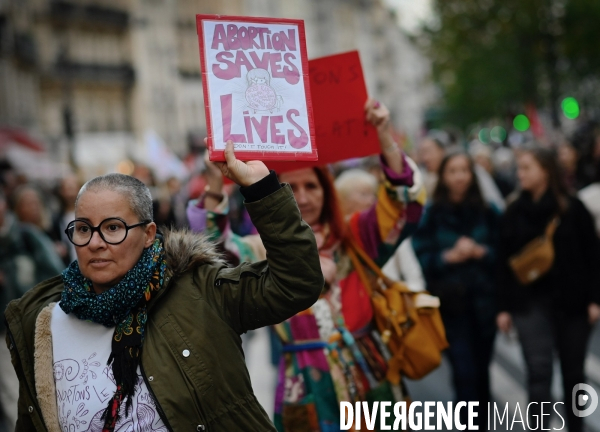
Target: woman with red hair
[(330, 353)]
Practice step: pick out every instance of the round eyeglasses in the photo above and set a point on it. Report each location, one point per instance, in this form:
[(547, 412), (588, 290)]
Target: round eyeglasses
[(112, 230)]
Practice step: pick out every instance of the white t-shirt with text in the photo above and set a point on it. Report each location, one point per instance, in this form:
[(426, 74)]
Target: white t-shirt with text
[(85, 383)]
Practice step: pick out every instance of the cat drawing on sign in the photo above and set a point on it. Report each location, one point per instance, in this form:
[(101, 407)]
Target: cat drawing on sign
[(259, 94)]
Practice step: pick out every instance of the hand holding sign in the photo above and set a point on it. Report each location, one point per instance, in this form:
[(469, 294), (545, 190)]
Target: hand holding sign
[(242, 173)]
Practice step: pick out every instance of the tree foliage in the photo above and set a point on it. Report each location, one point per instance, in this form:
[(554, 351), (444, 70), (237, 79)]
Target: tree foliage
[(493, 56)]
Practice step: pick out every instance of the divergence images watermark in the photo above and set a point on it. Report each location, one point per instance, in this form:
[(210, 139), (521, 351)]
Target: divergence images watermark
[(437, 415)]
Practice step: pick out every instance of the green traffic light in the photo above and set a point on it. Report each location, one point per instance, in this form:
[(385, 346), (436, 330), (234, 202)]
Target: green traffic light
[(521, 123), (570, 108)]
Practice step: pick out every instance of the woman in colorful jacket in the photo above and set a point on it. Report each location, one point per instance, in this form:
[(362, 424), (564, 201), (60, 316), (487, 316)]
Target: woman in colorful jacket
[(330, 353), (142, 332)]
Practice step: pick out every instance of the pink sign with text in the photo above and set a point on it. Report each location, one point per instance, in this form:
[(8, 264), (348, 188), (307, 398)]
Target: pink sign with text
[(256, 87)]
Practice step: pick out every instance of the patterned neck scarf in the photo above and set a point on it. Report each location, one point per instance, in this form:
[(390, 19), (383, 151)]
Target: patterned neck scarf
[(123, 306)]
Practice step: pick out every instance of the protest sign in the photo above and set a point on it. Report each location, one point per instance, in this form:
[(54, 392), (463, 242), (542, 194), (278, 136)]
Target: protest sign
[(256, 88), (339, 94)]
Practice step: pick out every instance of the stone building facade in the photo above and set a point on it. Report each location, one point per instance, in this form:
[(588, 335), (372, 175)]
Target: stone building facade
[(73, 70)]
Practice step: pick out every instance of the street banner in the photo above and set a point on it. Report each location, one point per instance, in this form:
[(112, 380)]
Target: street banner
[(339, 94), (256, 87)]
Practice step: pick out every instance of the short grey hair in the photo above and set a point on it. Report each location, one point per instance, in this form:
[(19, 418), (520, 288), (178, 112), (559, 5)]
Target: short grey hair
[(350, 179), (136, 192)]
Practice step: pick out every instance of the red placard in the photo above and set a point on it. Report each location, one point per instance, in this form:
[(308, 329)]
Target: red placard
[(256, 87), (339, 94)]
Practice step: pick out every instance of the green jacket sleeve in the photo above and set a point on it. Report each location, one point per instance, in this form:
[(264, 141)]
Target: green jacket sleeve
[(268, 292)]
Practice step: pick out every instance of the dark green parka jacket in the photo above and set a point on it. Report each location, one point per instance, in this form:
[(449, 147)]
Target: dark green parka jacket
[(192, 358)]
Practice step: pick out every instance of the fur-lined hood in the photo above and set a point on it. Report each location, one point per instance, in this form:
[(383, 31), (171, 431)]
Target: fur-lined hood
[(193, 333), (186, 250)]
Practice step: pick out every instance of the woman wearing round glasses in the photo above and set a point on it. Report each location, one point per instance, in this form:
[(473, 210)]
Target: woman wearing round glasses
[(141, 332), (112, 230)]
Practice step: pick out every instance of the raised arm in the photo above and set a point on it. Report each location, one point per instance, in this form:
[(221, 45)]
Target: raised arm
[(290, 280), (400, 199), (379, 116)]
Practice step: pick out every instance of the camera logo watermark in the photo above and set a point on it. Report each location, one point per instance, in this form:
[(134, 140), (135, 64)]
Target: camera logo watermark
[(582, 395)]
